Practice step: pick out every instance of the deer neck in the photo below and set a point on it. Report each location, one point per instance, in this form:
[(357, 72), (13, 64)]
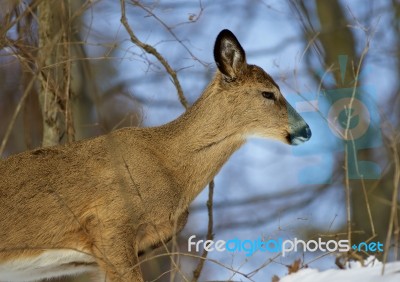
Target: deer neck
[(199, 142)]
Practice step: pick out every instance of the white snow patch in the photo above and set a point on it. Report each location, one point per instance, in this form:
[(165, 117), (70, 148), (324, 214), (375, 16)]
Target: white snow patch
[(371, 272)]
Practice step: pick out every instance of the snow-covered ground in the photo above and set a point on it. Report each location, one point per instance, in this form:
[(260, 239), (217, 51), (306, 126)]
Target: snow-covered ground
[(371, 272)]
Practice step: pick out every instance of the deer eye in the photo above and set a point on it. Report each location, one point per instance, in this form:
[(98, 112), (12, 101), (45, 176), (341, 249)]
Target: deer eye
[(268, 95)]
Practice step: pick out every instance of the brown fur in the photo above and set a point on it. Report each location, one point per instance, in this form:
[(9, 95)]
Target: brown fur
[(116, 195)]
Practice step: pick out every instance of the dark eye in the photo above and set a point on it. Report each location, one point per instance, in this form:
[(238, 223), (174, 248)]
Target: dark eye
[(268, 95)]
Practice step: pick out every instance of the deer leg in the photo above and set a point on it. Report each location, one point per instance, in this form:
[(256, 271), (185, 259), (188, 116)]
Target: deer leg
[(117, 256)]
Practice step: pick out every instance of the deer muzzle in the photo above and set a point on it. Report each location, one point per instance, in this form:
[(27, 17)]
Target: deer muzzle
[(299, 131), (301, 135)]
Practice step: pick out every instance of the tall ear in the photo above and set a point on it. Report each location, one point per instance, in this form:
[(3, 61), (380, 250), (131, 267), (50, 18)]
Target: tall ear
[(229, 55)]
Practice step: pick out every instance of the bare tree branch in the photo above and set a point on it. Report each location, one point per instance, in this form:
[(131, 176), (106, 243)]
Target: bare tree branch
[(15, 115), (210, 235), (153, 51)]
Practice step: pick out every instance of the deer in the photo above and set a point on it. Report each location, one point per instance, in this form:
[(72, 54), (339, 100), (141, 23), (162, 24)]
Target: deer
[(96, 205)]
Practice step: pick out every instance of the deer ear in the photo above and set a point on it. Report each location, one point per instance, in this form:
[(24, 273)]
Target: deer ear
[(229, 55)]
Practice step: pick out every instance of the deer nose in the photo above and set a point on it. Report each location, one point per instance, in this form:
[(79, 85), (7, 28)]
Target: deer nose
[(305, 132), (301, 135)]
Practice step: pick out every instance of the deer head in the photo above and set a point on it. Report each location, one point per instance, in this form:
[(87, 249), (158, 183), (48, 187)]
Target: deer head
[(257, 104)]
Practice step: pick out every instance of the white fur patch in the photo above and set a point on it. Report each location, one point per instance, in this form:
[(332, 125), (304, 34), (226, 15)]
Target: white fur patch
[(49, 264)]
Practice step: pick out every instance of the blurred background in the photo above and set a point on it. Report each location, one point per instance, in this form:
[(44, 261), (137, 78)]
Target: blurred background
[(78, 59)]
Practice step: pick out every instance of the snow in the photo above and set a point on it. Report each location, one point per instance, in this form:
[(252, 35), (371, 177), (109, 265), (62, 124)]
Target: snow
[(371, 272)]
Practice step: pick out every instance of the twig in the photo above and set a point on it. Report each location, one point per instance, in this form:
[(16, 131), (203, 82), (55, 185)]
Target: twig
[(6, 25), (346, 132), (137, 3), (210, 235), (263, 265), (69, 125), (364, 189), (151, 50), (259, 221), (347, 192), (393, 212), (259, 199), (189, 255), (15, 115)]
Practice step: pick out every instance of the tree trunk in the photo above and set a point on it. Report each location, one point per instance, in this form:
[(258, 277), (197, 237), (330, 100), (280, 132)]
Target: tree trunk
[(54, 67)]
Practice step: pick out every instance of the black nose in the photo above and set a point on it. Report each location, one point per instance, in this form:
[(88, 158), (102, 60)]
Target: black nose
[(305, 132), (301, 135)]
